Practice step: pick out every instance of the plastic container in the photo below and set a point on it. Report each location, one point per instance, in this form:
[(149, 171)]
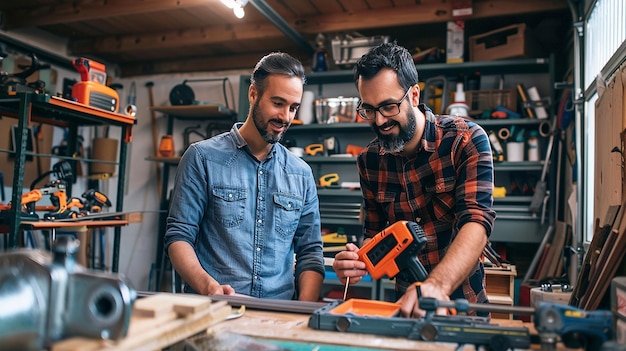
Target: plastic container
[(533, 147)]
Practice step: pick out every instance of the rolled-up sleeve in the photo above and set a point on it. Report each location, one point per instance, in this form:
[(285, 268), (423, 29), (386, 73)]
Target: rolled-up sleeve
[(475, 180)]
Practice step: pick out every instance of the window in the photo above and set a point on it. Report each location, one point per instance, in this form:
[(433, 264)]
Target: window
[(605, 50)]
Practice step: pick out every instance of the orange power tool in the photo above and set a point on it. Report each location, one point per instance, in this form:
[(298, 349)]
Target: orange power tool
[(394, 250)]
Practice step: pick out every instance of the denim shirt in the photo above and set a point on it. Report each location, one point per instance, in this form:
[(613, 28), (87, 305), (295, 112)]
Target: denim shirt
[(246, 219)]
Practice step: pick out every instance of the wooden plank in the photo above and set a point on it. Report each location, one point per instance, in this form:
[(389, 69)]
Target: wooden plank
[(174, 331), (615, 256), (600, 235), (182, 304), (556, 250)]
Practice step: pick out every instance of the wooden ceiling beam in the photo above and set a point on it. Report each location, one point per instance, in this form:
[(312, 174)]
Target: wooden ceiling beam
[(201, 64), (77, 11), (175, 39), (431, 12)]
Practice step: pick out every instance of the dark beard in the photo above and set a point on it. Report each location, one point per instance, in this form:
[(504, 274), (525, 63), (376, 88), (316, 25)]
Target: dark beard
[(396, 144), (262, 128)]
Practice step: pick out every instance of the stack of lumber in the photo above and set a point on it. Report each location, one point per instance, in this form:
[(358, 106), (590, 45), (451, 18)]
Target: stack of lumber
[(158, 321), (604, 256)]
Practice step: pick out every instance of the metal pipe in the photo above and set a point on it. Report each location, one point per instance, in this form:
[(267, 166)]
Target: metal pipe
[(282, 25), (576, 255)]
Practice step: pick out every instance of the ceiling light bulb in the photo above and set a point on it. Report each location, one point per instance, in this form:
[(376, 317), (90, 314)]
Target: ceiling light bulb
[(239, 12)]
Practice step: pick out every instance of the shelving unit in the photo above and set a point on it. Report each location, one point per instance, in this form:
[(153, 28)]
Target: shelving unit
[(514, 223), (200, 113), (31, 107)]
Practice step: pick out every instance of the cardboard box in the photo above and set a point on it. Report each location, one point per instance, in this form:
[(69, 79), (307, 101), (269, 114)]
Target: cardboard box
[(455, 42), (507, 42)]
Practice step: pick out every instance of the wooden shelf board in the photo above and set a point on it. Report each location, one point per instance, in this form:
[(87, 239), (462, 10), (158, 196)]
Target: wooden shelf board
[(196, 111)]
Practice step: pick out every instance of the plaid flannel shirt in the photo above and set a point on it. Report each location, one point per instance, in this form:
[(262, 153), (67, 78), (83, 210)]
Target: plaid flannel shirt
[(447, 183)]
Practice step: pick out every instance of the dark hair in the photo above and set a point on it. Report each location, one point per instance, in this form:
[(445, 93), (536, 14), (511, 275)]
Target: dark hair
[(276, 63), (387, 55)]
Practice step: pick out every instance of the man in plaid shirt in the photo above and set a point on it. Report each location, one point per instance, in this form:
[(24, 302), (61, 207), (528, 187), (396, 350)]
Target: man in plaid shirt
[(430, 169)]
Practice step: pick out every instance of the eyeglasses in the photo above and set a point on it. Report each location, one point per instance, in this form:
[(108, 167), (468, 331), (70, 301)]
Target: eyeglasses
[(386, 110)]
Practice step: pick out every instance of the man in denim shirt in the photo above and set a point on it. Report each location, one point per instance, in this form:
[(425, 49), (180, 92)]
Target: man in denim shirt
[(242, 204)]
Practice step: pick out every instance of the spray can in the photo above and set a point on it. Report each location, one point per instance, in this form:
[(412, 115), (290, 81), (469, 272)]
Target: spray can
[(533, 147)]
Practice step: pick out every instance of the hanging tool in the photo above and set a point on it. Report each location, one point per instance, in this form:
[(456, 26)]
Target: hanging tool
[(187, 134), (314, 149), (541, 195), (155, 136), (329, 179), (130, 110), (182, 94)]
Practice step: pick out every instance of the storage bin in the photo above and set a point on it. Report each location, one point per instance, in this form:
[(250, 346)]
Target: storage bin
[(481, 100), (507, 42)]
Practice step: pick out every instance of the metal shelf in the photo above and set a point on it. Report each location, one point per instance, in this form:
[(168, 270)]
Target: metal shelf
[(56, 111), (514, 66), (342, 127), (196, 112), (518, 166)]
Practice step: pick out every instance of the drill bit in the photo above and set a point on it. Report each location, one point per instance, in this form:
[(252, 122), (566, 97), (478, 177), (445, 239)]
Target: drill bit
[(345, 290)]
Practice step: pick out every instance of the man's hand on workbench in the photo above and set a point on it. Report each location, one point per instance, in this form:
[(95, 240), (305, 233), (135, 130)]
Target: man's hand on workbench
[(347, 264), (410, 300), (217, 289)]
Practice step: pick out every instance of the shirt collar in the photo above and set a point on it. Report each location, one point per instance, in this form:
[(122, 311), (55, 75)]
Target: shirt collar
[(241, 142), (429, 137)]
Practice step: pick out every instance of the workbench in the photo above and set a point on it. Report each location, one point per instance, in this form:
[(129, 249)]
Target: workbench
[(293, 327), (163, 319)]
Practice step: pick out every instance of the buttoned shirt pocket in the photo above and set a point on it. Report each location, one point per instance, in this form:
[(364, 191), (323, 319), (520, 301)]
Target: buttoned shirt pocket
[(442, 197), (230, 204), (387, 201), (287, 214)]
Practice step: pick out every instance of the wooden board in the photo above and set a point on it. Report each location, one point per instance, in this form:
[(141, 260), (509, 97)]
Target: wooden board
[(158, 321)]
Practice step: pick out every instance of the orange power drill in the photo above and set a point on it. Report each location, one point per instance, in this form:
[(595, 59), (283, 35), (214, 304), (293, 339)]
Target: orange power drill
[(394, 251), (95, 200)]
